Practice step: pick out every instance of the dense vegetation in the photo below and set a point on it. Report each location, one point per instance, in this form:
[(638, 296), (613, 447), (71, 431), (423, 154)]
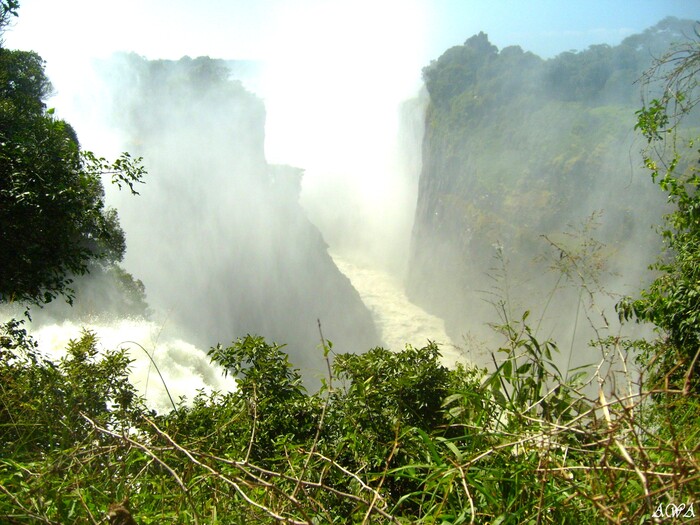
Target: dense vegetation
[(53, 221), (671, 302), (389, 437), (519, 149)]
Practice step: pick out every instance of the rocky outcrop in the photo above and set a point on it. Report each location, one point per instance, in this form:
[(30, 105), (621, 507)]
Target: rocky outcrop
[(525, 161), (218, 236)]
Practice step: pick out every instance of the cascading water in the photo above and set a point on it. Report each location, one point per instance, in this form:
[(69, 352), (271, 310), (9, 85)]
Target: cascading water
[(218, 237), (164, 368), (229, 292), (399, 321)]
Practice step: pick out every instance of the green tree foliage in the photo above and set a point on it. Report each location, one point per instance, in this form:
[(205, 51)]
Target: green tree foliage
[(415, 379), (456, 70), (672, 302), (53, 220), (45, 403), (8, 9), (267, 384)]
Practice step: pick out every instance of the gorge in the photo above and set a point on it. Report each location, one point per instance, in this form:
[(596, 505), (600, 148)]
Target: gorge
[(515, 151), (349, 266)]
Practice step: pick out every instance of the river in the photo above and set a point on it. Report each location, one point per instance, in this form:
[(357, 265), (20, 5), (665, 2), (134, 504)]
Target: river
[(398, 321), (185, 369)]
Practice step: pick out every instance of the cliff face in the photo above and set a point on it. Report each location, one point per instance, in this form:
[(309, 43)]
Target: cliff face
[(525, 162), (218, 236)]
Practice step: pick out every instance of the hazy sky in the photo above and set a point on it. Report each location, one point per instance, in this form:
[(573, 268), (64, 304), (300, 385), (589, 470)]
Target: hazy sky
[(381, 44), (333, 61), (270, 28), (337, 71), (385, 40)]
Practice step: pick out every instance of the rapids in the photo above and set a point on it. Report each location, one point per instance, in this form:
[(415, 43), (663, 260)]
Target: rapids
[(398, 321), (184, 367)]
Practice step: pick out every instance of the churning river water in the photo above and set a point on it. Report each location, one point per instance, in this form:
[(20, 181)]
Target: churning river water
[(398, 321), (185, 369)]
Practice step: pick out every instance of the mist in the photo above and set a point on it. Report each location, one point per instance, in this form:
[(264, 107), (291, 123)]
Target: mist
[(299, 173)]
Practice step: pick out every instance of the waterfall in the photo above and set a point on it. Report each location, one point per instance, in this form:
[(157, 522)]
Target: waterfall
[(399, 321), (185, 369)]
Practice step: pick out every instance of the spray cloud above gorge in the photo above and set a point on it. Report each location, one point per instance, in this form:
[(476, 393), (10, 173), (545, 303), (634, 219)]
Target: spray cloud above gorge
[(218, 235), (220, 240)]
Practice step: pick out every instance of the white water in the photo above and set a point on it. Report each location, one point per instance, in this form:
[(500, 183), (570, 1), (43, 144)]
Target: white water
[(398, 320), (185, 368)]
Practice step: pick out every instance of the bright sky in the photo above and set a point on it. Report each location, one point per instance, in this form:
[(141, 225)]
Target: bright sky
[(379, 43), (549, 27), (346, 58), (268, 28)]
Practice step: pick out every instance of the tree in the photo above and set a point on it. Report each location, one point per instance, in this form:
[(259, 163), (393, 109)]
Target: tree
[(672, 301), (53, 219), (8, 9)]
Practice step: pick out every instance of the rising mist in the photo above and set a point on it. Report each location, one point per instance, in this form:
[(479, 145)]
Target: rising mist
[(474, 188), (218, 235)]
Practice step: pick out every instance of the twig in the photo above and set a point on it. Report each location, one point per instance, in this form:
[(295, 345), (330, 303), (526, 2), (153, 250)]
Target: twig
[(317, 436), (255, 422), (622, 448), (151, 454), (235, 485), (383, 478), (167, 391)]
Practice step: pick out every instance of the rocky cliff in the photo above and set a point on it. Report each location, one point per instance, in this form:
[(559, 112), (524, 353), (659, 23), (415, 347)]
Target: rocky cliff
[(218, 236), (531, 179)]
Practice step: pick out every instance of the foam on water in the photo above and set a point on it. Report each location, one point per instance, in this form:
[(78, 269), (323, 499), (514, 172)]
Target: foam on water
[(184, 367), (398, 320)]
